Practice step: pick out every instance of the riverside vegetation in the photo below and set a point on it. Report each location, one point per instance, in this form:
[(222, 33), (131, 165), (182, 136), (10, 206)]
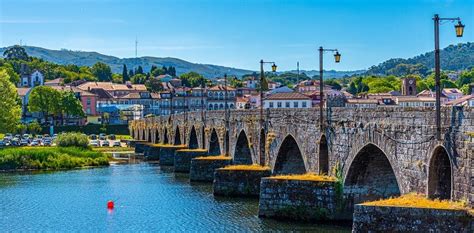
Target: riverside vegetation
[(72, 152)]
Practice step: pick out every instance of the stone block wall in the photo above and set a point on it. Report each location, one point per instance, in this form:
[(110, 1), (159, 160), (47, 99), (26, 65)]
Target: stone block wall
[(399, 219), (298, 200), (202, 170), (238, 182), (182, 159)]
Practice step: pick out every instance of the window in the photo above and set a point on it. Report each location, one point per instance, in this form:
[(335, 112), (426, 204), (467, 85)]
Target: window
[(287, 104), (271, 104), (304, 104), (88, 101), (88, 110), (295, 104), (279, 104)]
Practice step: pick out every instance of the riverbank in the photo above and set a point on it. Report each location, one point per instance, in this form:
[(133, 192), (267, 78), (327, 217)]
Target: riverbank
[(50, 158)]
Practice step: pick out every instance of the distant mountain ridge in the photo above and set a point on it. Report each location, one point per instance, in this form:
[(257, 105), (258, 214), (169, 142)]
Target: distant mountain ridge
[(454, 57), (82, 58)]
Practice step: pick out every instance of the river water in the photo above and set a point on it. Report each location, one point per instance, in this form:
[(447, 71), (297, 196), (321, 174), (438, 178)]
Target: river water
[(147, 198)]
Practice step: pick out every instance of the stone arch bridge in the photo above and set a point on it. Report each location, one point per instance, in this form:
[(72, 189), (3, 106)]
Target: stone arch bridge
[(378, 152)]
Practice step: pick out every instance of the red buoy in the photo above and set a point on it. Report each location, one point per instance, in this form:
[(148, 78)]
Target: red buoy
[(110, 205)]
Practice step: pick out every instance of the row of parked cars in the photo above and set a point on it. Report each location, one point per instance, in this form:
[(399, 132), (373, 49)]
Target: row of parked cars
[(103, 140), (27, 140)]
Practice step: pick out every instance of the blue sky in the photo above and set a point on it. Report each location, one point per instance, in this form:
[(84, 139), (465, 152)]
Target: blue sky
[(237, 33)]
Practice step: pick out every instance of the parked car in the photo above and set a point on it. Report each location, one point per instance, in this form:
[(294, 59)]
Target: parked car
[(105, 143), (24, 142), (8, 136), (93, 137), (26, 136), (112, 137), (3, 143), (15, 142), (102, 136), (35, 142), (94, 143), (116, 144), (47, 143)]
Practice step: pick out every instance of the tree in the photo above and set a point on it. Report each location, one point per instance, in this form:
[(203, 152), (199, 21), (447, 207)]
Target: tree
[(16, 52), (236, 83), (44, 99), (102, 71), (333, 83), (10, 111), (125, 76), (14, 77), (70, 105), (130, 74), (117, 78), (153, 85), (192, 79), (138, 79), (352, 88), (139, 70), (34, 127)]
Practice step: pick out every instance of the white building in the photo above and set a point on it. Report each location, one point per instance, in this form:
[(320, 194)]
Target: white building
[(287, 100), (32, 80), (452, 93), (467, 100), (216, 97)]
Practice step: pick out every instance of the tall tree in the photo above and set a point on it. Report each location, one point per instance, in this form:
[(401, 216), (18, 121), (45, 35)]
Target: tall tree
[(102, 71), (44, 99), (10, 111), (70, 106), (16, 52), (139, 70), (125, 76), (130, 74)]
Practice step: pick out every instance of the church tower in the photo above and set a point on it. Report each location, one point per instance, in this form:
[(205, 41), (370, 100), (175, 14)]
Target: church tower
[(409, 86)]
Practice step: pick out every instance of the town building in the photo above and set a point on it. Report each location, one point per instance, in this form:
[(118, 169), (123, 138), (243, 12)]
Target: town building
[(287, 100), (362, 103), (114, 89), (452, 93), (467, 100), (216, 97), (32, 79), (409, 86)]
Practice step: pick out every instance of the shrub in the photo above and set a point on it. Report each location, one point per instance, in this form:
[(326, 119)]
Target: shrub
[(72, 139)]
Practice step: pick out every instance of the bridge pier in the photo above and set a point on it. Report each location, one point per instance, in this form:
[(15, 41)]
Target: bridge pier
[(182, 158), (153, 152), (306, 199), (167, 153), (239, 181), (203, 168)]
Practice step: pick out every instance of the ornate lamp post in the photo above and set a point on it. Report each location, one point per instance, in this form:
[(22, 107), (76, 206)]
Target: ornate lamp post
[(337, 59), (262, 78), (459, 28)]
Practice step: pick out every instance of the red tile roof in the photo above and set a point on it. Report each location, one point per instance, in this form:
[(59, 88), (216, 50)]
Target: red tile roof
[(288, 96)]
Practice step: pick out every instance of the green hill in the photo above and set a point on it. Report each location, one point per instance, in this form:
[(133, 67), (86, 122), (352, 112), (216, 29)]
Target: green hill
[(82, 58), (453, 57)]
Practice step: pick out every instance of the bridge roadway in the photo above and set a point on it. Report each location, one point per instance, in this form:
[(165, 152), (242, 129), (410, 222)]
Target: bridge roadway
[(380, 151)]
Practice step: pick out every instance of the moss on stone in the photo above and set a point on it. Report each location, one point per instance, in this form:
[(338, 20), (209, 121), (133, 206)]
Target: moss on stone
[(218, 157), (306, 177), (252, 167), (191, 150), (416, 200)]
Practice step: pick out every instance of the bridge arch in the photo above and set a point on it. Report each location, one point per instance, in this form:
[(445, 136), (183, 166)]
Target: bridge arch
[(289, 159), (193, 141), (242, 153), (203, 137), (370, 176), (323, 157), (157, 135), (440, 174), (150, 139), (177, 136), (165, 137), (214, 147)]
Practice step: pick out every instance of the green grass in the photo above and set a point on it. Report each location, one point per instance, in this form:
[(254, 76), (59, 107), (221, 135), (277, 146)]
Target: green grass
[(123, 137), (51, 158)]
